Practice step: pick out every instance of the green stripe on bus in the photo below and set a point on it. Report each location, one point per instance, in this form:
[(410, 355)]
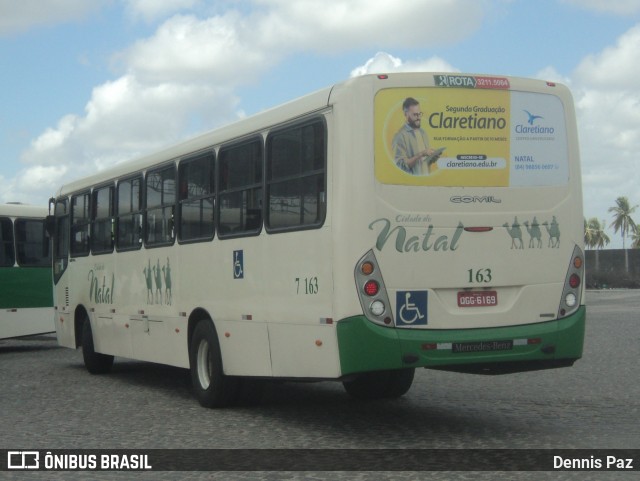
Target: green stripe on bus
[(23, 287)]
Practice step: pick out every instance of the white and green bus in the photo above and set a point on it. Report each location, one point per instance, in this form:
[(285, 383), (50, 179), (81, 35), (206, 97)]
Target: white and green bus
[(26, 289), (384, 224)]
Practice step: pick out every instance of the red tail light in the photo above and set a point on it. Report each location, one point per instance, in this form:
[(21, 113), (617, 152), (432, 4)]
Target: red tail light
[(574, 280), (371, 288)]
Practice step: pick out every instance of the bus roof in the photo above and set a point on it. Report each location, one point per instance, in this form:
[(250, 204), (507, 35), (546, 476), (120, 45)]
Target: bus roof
[(17, 209)]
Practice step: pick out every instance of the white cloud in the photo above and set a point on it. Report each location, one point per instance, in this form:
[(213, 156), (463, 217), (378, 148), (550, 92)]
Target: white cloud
[(34, 184), (124, 119), (150, 10), (235, 47), (383, 62), (615, 67), (18, 16), (323, 26), (217, 49)]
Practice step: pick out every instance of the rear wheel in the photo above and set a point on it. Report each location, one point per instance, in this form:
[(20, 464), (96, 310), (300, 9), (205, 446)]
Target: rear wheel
[(95, 362), (400, 382), (212, 387), (380, 384)]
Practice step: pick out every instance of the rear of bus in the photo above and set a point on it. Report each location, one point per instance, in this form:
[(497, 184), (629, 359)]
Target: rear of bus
[(475, 262)]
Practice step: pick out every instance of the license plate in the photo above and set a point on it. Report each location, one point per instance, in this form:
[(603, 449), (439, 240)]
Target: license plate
[(477, 298)]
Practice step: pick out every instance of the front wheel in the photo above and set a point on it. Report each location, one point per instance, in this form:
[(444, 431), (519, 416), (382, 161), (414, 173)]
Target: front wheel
[(212, 387), (95, 362)]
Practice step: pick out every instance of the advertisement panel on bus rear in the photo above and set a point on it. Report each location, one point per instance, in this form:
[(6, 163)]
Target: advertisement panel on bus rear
[(470, 137)]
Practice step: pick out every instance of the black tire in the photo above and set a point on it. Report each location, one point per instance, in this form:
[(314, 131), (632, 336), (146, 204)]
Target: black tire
[(212, 387), (400, 382), (380, 384), (95, 362)]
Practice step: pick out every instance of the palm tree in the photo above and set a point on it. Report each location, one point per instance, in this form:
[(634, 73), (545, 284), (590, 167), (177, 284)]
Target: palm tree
[(622, 220), (595, 236), (588, 234)]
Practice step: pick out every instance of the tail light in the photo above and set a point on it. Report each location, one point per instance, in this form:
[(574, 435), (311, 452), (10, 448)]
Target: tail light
[(572, 290), (371, 288), (372, 292)]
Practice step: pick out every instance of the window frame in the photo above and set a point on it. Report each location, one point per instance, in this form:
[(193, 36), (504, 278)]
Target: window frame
[(18, 243), (172, 222), (95, 219), (131, 213), (260, 185), (86, 224), (60, 252), (210, 157), (269, 181)]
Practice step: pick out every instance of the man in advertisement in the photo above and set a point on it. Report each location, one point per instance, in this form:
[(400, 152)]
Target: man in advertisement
[(411, 143)]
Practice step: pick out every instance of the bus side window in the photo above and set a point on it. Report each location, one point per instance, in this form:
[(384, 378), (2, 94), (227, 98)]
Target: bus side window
[(102, 235), (80, 222), (129, 214), (240, 196), (7, 254), (32, 243), (196, 202), (161, 203), (296, 180)]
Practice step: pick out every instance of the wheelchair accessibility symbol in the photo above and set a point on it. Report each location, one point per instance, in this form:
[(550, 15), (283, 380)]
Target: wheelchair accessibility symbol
[(411, 308), (238, 264)]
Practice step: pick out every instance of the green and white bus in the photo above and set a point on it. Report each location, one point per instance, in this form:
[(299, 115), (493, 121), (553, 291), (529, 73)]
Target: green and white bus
[(384, 224), (26, 289)]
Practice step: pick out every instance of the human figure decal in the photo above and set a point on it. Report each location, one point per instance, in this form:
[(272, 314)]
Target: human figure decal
[(157, 278), (147, 275)]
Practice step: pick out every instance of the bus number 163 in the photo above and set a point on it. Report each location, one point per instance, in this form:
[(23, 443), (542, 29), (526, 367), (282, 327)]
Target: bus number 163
[(479, 276)]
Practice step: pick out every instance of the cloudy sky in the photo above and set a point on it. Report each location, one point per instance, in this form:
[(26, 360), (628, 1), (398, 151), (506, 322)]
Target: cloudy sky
[(87, 84)]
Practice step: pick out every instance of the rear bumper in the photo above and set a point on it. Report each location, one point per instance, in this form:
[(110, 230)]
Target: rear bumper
[(365, 346)]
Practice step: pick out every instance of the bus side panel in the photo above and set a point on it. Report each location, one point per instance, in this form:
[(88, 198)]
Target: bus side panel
[(25, 287), (298, 297), (245, 348), (27, 301), (228, 285), (27, 322), (304, 351), (65, 331)]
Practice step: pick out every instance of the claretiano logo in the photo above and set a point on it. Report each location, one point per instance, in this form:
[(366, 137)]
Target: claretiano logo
[(532, 125)]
